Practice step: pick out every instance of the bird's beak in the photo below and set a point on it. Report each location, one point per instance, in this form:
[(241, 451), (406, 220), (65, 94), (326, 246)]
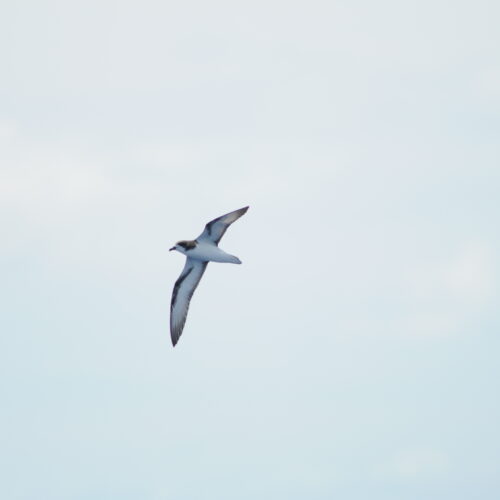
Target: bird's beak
[(170, 249)]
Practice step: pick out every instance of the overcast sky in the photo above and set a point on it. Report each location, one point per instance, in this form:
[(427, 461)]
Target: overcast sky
[(354, 354)]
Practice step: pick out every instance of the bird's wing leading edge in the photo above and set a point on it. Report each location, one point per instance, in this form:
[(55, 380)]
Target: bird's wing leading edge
[(181, 296), (216, 228)]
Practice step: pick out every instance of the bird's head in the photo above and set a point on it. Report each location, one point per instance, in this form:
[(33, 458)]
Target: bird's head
[(183, 246), (176, 247)]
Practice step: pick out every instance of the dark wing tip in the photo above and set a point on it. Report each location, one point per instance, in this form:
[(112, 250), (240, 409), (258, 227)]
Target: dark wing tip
[(175, 335), (239, 213)]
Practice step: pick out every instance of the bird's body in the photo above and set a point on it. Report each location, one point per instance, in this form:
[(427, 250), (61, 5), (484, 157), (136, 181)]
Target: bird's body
[(207, 252), (199, 253)]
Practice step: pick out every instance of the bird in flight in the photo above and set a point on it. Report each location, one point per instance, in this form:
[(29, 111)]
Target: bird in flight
[(199, 253)]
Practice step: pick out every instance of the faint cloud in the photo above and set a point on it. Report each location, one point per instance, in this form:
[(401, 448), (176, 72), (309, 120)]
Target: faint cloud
[(465, 279), (436, 297), (470, 274), (415, 464), (431, 324), (487, 82), (447, 293), (51, 177), (35, 173), (7, 131)]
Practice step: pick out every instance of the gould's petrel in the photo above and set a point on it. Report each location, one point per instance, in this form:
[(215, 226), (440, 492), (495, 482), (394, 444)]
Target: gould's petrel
[(199, 253)]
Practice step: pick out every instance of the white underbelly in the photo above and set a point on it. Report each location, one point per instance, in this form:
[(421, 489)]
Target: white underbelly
[(211, 253)]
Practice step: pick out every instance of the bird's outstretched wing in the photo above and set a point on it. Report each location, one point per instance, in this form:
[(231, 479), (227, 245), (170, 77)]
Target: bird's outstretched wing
[(216, 228), (181, 296)]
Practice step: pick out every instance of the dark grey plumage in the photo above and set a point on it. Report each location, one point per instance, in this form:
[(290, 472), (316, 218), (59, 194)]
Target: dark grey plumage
[(216, 228), (187, 244)]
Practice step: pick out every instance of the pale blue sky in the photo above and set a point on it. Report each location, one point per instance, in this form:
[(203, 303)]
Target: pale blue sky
[(354, 354)]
